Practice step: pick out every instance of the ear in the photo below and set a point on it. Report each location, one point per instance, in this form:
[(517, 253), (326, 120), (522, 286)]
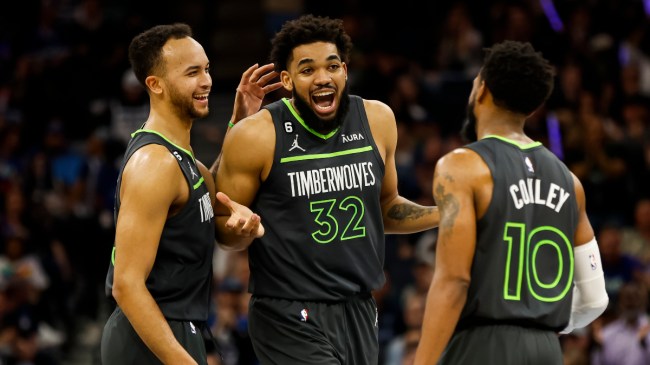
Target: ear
[(345, 70), (482, 92), (285, 78), (154, 84)]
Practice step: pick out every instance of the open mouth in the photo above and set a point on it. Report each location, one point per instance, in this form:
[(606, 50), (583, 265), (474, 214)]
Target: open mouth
[(201, 97), (323, 101)]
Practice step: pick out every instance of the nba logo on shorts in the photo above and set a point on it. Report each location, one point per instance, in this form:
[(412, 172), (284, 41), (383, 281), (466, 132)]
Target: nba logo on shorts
[(592, 261), (304, 315)]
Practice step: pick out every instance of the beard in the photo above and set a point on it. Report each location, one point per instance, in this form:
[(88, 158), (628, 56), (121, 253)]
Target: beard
[(316, 123), (468, 132), (184, 107)]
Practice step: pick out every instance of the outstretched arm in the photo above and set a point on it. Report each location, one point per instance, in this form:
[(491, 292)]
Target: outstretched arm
[(400, 215)]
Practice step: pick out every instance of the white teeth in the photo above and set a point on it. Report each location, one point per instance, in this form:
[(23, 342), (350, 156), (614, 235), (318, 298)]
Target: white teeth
[(324, 93)]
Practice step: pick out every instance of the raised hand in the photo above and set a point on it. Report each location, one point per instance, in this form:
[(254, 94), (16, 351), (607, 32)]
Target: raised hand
[(252, 88), (242, 220)]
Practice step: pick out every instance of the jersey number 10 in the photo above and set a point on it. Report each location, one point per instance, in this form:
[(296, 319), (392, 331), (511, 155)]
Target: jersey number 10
[(522, 258)]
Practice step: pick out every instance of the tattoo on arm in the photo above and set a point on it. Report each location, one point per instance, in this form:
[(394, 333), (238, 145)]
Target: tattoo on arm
[(408, 211), (447, 203)]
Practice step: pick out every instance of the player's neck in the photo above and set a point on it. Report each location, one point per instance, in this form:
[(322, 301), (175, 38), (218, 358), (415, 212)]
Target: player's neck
[(504, 124), (169, 125)]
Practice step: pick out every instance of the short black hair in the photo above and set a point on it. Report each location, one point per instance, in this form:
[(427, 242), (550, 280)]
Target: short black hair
[(145, 50), (518, 77), (308, 29)]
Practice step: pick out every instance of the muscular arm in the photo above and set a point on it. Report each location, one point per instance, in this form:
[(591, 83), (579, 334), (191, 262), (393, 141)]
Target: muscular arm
[(400, 214), (246, 159), (454, 182), (151, 184)]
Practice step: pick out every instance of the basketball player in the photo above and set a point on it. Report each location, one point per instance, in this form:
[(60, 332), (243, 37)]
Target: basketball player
[(516, 260), (319, 168)]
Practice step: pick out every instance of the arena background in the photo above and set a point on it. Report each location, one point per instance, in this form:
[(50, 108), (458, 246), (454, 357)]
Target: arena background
[(68, 103)]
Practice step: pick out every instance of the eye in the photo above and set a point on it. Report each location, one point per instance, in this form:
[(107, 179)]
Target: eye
[(335, 67), (306, 71), (207, 70)]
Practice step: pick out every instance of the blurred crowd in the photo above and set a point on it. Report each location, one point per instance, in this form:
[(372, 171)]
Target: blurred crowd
[(68, 103)]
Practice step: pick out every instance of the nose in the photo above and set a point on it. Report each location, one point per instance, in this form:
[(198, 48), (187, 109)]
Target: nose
[(322, 77), (206, 80)]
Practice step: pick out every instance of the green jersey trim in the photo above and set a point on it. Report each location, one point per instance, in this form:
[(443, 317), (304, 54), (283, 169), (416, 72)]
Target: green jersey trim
[(163, 137), (518, 144), (295, 115), (319, 156), (198, 183)]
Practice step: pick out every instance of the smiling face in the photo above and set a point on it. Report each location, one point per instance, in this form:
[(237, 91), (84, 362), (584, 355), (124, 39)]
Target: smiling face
[(186, 77), (317, 77)]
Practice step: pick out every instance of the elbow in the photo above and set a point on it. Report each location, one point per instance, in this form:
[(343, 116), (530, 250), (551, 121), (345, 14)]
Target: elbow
[(118, 291), (582, 317), (455, 287), (122, 287), (461, 284)]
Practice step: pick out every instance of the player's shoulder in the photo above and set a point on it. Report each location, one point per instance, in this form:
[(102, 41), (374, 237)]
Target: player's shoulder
[(464, 162), (152, 158), (251, 141), (254, 128), (380, 117), (376, 106)]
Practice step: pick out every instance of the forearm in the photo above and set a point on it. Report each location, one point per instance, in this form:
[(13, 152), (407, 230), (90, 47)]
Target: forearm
[(404, 216), (147, 320), (445, 301)]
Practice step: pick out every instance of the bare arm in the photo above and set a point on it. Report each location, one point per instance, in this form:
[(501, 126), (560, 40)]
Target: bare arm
[(252, 88), (589, 293), (145, 203), (247, 156), (400, 214), (584, 231), (454, 193)]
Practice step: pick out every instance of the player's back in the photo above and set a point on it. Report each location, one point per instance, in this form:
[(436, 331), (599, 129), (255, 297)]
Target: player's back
[(522, 272)]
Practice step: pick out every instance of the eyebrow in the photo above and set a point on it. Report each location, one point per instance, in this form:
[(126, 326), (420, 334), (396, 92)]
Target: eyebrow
[(195, 67), (309, 60), (192, 68)]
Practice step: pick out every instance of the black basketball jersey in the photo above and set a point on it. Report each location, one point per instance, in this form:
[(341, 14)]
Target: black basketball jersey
[(324, 235), (180, 280), (522, 272)]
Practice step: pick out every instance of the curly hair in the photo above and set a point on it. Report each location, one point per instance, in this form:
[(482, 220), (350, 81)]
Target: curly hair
[(145, 50), (308, 29), (518, 77)]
